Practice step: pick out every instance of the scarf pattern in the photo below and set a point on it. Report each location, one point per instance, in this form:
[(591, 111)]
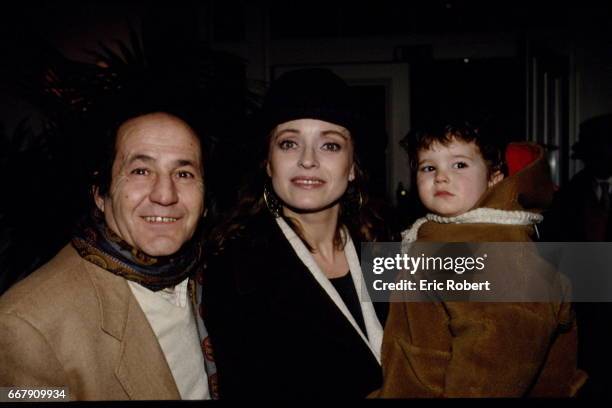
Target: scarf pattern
[(97, 243)]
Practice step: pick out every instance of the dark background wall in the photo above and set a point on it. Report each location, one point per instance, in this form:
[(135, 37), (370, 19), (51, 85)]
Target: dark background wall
[(538, 69), (478, 52)]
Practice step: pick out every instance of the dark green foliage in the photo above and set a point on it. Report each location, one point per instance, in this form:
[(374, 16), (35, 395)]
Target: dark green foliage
[(45, 174)]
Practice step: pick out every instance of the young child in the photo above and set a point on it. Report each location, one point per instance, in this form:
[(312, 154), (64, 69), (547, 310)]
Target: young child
[(478, 349)]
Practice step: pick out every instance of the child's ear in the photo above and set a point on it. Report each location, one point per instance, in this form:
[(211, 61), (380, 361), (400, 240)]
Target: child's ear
[(495, 178)]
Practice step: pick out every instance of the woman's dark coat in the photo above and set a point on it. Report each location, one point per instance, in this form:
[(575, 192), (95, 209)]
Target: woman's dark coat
[(275, 331)]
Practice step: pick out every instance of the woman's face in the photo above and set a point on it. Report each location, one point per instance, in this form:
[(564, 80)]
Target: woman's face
[(310, 163)]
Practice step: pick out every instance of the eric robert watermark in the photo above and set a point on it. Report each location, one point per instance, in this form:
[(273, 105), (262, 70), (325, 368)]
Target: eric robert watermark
[(430, 285)]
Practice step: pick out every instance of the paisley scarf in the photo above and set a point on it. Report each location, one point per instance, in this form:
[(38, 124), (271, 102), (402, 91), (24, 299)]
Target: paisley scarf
[(97, 243)]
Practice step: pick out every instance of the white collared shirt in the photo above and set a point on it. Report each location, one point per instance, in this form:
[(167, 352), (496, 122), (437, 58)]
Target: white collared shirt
[(171, 317)]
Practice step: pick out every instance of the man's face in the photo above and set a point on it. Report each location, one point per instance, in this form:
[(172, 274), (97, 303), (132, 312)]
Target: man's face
[(156, 197), (451, 179)]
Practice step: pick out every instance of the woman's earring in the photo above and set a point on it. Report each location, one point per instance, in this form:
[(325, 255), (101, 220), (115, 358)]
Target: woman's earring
[(360, 202), (272, 202)]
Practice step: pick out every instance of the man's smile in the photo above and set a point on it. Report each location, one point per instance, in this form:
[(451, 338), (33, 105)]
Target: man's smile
[(159, 220)]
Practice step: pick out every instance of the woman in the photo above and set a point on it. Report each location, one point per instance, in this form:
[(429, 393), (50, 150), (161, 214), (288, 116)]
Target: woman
[(283, 297)]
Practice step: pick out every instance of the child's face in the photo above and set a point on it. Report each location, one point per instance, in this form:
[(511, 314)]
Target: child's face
[(451, 179)]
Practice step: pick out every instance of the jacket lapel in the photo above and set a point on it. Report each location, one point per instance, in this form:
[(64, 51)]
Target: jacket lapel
[(372, 324), (142, 369)]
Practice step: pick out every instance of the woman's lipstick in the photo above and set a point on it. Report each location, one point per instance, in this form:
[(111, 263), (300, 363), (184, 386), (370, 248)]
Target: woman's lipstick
[(308, 183)]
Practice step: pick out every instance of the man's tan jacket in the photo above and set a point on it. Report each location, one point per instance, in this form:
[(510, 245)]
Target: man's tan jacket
[(71, 323)]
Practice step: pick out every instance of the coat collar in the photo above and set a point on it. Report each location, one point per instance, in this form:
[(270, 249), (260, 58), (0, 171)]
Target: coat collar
[(373, 326), (141, 369), (515, 201), (531, 188)]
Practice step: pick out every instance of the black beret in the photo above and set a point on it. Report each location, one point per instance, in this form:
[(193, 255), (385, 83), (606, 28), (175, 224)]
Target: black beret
[(313, 93)]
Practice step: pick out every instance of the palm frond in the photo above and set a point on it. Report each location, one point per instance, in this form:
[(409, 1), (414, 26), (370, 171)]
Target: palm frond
[(76, 99)]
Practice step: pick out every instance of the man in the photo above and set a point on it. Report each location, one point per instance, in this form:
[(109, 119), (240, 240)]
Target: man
[(582, 213), (582, 208), (112, 316)]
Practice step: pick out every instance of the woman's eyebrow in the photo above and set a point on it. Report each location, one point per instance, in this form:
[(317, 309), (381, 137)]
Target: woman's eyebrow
[(288, 130), (334, 132)]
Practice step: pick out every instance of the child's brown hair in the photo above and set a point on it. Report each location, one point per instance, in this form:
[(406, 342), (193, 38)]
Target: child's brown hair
[(423, 139)]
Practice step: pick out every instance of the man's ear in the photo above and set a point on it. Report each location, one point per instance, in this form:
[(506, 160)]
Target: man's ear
[(495, 178), (98, 199)]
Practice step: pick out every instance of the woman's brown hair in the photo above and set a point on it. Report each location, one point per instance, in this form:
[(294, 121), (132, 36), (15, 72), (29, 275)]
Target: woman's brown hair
[(355, 214)]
